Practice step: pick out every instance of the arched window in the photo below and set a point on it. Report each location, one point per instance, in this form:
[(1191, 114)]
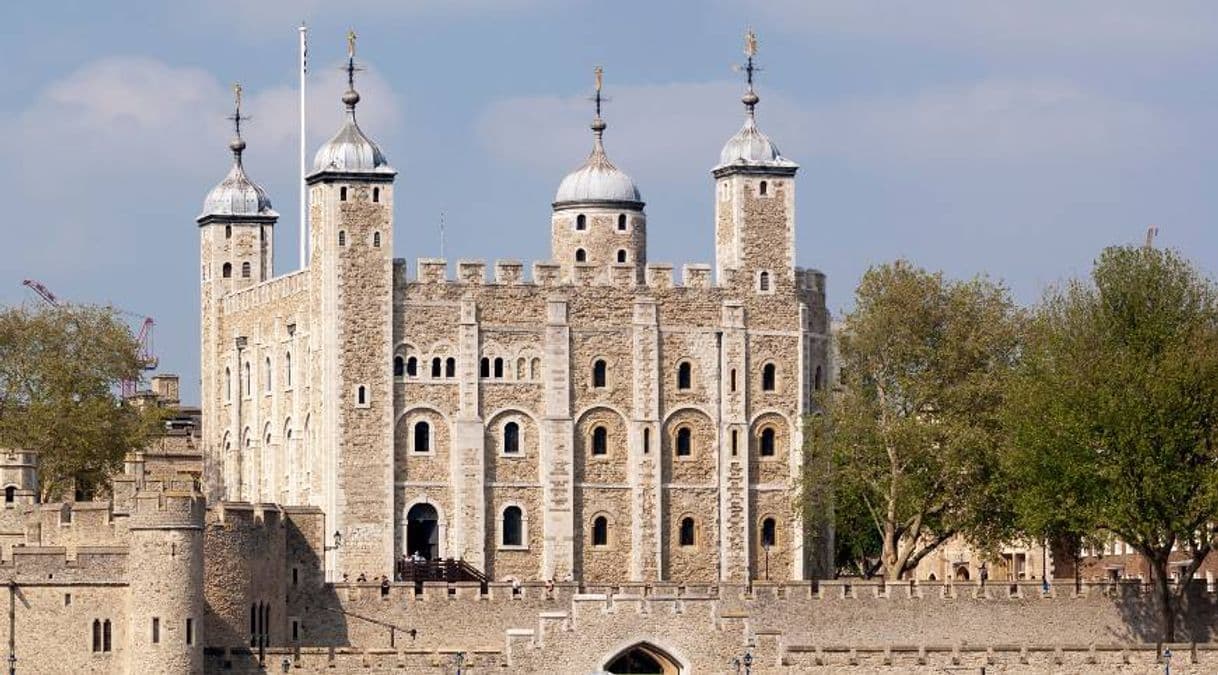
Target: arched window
[(484, 368), (767, 377), (228, 231), (376, 195), (342, 236), (511, 438), (581, 255), (436, 367), (684, 442), (621, 255), (248, 391), (450, 367), (817, 383), (581, 222), (422, 437), (600, 531), (342, 194), (376, 239), (764, 188), (768, 533), (399, 366), (684, 375), (106, 635), (535, 369), (361, 395), (513, 526), (687, 531), (767, 442), (621, 222), (97, 636), (498, 367), (10, 494), (287, 368), (598, 373), (228, 384), (600, 441), (245, 270), (520, 368), (227, 271), (412, 366), (763, 281), (267, 373), (646, 440)]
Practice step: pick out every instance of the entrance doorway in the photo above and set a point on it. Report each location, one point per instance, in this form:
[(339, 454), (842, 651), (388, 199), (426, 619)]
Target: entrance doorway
[(643, 659), (423, 531)]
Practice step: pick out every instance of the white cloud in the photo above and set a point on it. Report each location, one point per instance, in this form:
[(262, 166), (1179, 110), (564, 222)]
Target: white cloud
[(1111, 26), (669, 130)]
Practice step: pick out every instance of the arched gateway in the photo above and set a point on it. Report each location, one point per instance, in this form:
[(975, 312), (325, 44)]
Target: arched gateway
[(643, 659)]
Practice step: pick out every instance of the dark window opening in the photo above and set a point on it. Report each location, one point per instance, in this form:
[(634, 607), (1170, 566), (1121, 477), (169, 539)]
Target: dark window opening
[(621, 221), (735, 441), (764, 188), (513, 526), (581, 222), (10, 494), (600, 531), (817, 382), (342, 238), (361, 395), (598, 373), (581, 255), (295, 630), (450, 367), (376, 239), (767, 533), (687, 531), (767, 442), (767, 377), (399, 366), (732, 378), (97, 637), (156, 630), (422, 437), (412, 366), (228, 231), (684, 442), (106, 635), (498, 367), (342, 194), (436, 366), (763, 281), (190, 631), (621, 255), (376, 195), (295, 576), (646, 440), (484, 368), (227, 271), (684, 376), (245, 270), (511, 438), (600, 441)]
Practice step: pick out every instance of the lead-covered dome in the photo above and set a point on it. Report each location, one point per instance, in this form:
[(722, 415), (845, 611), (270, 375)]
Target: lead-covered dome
[(237, 195), (750, 147), (597, 180), (350, 150)]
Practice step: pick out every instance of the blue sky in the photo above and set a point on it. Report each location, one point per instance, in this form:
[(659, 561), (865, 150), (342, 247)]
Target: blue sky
[(973, 136)]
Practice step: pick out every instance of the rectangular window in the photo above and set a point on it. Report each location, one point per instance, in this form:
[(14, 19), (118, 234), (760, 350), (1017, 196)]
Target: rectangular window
[(295, 630), (156, 630), (190, 631), (295, 576), (67, 599)]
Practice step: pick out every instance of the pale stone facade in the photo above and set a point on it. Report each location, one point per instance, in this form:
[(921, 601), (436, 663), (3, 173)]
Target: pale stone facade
[(599, 421)]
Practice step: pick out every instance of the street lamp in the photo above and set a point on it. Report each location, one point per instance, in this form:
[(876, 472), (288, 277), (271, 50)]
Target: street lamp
[(338, 541)]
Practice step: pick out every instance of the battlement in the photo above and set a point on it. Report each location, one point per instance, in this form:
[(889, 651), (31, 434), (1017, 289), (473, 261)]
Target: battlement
[(266, 292), (167, 509), (244, 515), (810, 279), (656, 276)]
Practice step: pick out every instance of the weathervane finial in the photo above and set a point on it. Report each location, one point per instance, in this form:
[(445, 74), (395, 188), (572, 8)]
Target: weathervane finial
[(750, 43), (750, 67), (237, 144), (598, 76), (351, 43)]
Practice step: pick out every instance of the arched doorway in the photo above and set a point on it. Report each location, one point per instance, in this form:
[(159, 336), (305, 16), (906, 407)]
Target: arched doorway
[(643, 659), (962, 573), (423, 531)]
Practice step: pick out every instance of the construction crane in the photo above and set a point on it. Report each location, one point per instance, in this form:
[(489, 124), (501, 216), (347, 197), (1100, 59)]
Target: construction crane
[(143, 338)]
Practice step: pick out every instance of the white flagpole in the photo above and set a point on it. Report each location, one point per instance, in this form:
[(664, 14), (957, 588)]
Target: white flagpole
[(304, 213)]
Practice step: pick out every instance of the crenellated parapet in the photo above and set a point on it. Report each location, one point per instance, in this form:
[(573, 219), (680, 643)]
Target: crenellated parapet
[(267, 292), (656, 276)]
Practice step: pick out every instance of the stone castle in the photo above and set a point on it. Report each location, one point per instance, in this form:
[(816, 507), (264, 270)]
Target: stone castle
[(618, 453), (598, 422)]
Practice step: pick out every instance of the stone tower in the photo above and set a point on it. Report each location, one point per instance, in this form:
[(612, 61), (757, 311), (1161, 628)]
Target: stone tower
[(165, 626), (351, 211), (235, 252), (754, 205), (598, 214)]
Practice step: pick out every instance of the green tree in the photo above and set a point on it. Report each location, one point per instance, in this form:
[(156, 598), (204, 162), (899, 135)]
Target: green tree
[(912, 431), (1112, 413), (60, 368)]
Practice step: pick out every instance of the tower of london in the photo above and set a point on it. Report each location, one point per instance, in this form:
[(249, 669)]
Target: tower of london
[(594, 419)]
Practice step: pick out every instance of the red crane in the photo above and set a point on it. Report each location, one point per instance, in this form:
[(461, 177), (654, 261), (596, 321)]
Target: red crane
[(147, 356)]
